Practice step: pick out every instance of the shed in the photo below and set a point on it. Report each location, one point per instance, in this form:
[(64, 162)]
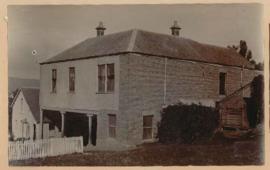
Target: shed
[(233, 109)]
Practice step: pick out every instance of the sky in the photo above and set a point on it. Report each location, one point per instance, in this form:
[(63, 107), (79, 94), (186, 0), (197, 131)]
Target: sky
[(49, 29)]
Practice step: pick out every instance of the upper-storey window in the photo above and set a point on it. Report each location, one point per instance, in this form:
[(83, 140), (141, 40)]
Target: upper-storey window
[(222, 79), (101, 78), (110, 77), (54, 77), (106, 78), (71, 79)]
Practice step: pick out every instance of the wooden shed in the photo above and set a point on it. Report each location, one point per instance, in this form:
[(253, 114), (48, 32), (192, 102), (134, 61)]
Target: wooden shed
[(233, 109)]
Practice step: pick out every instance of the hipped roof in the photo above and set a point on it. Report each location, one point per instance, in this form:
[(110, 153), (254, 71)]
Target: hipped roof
[(149, 43)]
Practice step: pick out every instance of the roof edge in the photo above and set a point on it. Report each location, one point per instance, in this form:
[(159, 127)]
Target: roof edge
[(16, 96), (235, 92), (46, 60), (134, 52)]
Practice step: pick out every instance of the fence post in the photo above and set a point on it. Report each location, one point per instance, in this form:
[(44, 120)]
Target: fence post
[(43, 148), (81, 147)]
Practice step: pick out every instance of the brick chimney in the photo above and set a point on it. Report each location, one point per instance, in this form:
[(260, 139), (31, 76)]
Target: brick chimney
[(100, 29), (175, 29)]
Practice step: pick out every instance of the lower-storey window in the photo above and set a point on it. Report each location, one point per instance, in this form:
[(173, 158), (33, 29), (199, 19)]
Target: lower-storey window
[(112, 125), (148, 127)]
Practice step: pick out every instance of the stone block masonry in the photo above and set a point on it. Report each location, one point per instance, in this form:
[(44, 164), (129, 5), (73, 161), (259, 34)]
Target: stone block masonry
[(143, 80)]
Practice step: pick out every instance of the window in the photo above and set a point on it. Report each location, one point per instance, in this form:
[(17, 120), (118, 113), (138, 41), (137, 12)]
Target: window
[(112, 125), (101, 78), (110, 77), (222, 78), (54, 77), (71, 79), (106, 78), (147, 127)]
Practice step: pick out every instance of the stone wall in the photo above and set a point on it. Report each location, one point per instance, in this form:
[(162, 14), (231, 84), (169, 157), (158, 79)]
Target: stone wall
[(139, 90), (142, 87)]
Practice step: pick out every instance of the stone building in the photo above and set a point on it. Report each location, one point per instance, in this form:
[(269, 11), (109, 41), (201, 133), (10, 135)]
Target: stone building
[(111, 88)]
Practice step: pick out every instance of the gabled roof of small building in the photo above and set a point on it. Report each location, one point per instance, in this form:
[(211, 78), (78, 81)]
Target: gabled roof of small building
[(236, 93), (149, 43), (31, 96)]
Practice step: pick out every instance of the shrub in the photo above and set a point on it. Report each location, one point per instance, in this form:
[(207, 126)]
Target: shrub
[(256, 109), (186, 123)]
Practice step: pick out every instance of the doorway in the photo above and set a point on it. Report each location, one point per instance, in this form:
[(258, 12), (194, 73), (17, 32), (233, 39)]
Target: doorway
[(94, 130), (76, 124)]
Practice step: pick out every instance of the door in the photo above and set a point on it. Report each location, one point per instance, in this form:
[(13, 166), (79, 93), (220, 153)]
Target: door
[(94, 130), (76, 124)]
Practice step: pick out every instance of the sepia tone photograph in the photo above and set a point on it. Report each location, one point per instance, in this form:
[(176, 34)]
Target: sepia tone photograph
[(135, 85)]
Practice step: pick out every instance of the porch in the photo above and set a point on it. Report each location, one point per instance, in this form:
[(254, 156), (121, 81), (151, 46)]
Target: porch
[(72, 123)]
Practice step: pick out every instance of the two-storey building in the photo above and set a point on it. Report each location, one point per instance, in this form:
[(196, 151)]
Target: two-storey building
[(111, 88)]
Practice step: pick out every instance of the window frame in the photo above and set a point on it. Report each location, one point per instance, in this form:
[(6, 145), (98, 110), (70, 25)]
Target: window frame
[(70, 80), (148, 127), (112, 126), (54, 81), (102, 78), (222, 83), (109, 79), (106, 79)]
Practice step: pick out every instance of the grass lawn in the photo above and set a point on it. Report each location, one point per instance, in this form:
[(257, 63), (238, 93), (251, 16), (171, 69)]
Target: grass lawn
[(219, 151)]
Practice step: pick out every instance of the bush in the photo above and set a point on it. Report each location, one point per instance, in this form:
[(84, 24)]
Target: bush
[(186, 123), (256, 108)]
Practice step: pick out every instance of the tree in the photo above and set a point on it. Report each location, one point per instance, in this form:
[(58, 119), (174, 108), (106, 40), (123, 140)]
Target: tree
[(257, 91), (234, 47), (253, 62), (249, 55), (259, 66), (243, 48)]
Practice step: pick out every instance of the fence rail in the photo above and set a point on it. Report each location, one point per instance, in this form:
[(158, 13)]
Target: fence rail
[(43, 148)]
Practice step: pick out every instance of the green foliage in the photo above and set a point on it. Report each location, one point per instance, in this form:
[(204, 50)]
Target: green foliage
[(187, 123), (255, 102), (259, 66), (257, 94), (249, 55), (243, 48)]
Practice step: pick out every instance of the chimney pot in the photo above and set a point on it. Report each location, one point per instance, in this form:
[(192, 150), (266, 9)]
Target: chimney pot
[(175, 29), (100, 29)]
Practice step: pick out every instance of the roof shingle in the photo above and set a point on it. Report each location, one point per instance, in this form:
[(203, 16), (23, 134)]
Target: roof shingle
[(149, 43)]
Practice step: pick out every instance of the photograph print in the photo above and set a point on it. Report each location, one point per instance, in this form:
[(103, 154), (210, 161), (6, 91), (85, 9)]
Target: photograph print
[(135, 85)]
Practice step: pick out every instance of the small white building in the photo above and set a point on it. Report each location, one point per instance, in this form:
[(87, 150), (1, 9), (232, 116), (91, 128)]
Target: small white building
[(25, 117)]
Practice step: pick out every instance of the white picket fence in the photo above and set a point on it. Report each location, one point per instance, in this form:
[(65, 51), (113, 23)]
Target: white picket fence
[(43, 148)]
